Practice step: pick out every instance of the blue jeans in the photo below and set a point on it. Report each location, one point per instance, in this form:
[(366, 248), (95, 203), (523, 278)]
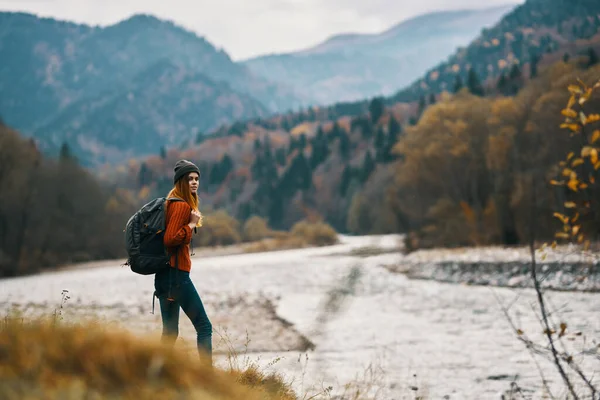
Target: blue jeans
[(183, 295)]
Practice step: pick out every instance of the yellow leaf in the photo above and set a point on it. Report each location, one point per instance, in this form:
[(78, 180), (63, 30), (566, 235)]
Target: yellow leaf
[(593, 156), (570, 204), (575, 218), (567, 112), (585, 151), (573, 127), (554, 244), (573, 184), (577, 162), (564, 219), (595, 136), (587, 92), (583, 185), (557, 183), (580, 238), (592, 180), (582, 117), (567, 172), (561, 235), (576, 230), (593, 118), (570, 155), (519, 332), (586, 246), (597, 165), (571, 102), (574, 89), (562, 164)]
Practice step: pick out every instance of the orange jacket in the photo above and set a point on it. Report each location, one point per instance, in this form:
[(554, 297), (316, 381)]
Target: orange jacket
[(178, 233)]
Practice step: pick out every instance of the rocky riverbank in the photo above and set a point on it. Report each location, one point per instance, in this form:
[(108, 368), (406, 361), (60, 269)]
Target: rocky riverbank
[(566, 268)]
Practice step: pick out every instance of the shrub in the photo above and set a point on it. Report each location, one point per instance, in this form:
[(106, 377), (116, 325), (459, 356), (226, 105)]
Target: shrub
[(255, 229), (315, 233), (219, 229)]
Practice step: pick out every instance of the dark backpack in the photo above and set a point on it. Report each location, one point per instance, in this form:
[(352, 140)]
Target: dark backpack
[(144, 235)]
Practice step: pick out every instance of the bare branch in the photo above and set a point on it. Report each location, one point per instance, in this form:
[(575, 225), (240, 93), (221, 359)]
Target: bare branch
[(540, 295)]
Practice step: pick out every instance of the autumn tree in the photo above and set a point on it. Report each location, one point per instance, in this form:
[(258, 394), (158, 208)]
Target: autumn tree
[(53, 211)]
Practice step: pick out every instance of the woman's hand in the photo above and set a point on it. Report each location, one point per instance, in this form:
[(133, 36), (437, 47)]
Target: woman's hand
[(195, 217)]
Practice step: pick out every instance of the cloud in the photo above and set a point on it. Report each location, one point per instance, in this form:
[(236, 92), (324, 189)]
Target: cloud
[(246, 28)]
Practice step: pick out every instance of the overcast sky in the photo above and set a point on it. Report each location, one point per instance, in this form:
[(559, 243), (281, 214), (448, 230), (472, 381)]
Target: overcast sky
[(246, 28)]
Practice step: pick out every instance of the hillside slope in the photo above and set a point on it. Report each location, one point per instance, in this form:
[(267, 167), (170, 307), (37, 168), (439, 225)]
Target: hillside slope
[(533, 31), (50, 66)]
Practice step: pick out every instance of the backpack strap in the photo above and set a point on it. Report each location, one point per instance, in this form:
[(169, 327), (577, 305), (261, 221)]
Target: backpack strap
[(169, 297)]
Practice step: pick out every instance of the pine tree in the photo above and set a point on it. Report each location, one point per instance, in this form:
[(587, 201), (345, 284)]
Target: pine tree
[(145, 176), (293, 145), (458, 84), (226, 165), (376, 109), (533, 65), (280, 156), (380, 145), (421, 106), (65, 152), (320, 149), (502, 83), (367, 167), (474, 84), (592, 57), (257, 168), (345, 180), (394, 130), (304, 172), (344, 145), (302, 142)]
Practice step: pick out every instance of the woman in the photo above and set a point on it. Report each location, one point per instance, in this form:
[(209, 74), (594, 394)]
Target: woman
[(173, 286)]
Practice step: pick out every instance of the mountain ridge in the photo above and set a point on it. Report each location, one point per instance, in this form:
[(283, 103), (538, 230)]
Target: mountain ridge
[(356, 66), (54, 66)]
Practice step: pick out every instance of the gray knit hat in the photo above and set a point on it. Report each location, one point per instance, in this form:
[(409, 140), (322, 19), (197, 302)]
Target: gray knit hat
[(183, 167)]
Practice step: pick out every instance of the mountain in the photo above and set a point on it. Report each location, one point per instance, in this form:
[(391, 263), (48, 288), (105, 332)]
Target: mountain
[(53, 70), (162, 106), (538, 31), (355, 66), (441, 168)]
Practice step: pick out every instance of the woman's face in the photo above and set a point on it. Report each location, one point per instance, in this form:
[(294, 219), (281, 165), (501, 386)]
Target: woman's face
[(194, 181)]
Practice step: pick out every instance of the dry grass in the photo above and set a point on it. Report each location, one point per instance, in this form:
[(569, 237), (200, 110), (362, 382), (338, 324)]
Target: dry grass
[(50, 360)]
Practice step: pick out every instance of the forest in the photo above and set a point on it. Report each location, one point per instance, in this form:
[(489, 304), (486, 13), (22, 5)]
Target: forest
[(53, 211), (453, 170)]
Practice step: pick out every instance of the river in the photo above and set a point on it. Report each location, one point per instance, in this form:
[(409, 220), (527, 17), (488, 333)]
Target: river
[(398, 336)]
